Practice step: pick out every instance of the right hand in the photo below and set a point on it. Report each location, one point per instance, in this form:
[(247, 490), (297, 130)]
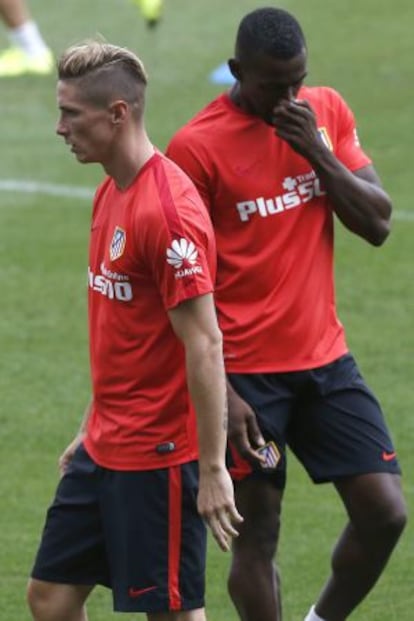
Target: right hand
[(215, 503), (244, 432), (67, 455)]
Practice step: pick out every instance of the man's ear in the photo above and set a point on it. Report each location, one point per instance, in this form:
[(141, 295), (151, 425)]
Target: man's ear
[(235, 69), (118, 110)]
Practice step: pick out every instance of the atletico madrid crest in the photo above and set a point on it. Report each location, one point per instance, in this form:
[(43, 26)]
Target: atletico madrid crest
[(117, 247), (271, 455)]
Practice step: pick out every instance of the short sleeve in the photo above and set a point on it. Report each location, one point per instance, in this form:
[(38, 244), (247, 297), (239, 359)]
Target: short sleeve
[(178, 242), (190, 159), (348, 148)]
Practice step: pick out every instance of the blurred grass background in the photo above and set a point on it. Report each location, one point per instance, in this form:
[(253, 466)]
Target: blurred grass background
[(361, 47)]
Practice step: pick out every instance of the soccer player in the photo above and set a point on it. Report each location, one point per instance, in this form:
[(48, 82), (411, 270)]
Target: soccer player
[(28, 52), (138, 485), (275, 162)]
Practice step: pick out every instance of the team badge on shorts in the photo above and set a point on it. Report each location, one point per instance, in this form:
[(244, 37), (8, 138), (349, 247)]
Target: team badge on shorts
[(271, 454), (117, 247), (323, 133)]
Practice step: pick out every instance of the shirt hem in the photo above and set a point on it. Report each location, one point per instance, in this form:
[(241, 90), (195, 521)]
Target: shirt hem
[(244, 367), (135, 465)]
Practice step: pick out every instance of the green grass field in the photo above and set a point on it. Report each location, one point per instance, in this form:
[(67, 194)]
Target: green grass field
[(361, 47)]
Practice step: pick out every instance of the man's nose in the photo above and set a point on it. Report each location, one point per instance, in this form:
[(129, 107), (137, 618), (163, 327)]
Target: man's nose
[(60, 129)]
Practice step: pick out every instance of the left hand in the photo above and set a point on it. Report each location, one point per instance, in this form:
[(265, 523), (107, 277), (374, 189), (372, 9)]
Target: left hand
[(295, 122), (216, 505), (67, 455)]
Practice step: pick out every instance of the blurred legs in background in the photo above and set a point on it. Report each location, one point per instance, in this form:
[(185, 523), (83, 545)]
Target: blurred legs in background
[(151, 11), (28, 53)]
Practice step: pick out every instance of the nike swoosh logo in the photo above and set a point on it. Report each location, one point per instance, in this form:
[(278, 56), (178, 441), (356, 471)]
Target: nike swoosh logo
[(388, 456), (137, 592)]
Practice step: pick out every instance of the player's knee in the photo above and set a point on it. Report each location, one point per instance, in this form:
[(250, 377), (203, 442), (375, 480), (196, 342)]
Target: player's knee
[(385, 525), (257, 542), (395, 519), (46, 602), (37, 599)]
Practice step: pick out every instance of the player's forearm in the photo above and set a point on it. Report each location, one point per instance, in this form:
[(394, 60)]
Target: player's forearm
[(362, 206), (207, 385)]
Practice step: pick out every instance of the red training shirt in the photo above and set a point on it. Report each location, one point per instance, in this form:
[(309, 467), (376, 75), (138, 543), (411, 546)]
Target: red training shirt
[(152, 247), (274, 232)]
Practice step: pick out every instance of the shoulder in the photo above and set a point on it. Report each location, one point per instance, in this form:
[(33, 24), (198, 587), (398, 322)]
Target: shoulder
[(170, 173), (198, 128), (324, 97), (173, 186)]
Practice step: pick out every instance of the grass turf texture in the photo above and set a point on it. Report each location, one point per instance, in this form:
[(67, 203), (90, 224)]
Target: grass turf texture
[(362, 49)]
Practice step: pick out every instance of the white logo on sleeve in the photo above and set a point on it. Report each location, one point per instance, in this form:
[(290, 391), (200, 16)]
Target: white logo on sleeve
[(182, 255)]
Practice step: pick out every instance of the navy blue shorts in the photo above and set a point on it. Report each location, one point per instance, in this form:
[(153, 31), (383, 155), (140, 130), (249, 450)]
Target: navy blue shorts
[(327, 416), (136, 532)]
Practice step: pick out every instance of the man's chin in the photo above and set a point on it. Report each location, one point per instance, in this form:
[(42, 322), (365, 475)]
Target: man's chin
[(83, 159)]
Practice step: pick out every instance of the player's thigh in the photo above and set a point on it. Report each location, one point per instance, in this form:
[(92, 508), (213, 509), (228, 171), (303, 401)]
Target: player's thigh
[(72, 548), (339, 429), (259, 502), (373, 500), (156, 540), (271, 396)]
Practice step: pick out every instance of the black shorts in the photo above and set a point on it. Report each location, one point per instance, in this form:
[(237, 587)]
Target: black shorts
[(138, 533), (327, 416)]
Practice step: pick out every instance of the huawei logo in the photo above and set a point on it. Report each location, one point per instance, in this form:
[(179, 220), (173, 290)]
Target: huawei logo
[(181, 251)]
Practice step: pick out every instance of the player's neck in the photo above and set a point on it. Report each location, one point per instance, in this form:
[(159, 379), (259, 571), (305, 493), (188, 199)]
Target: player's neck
[(237, 99), (126, 164), (234, 95)]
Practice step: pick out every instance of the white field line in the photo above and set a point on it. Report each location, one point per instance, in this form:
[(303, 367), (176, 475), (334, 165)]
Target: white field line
[(49, 189), (69, 191)]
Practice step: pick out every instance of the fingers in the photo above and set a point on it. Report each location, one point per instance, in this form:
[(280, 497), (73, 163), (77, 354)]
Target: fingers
[(248, 438), (294, 108), (248, 443), (64, 460), (252, 455), (63, 464), (293, 116), (254, 433), (221, 524)]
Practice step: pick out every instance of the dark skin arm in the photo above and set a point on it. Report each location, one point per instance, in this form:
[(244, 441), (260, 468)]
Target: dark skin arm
[(358, 199), (243, 430)]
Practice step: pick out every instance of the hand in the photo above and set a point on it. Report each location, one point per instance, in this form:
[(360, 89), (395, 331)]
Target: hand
[(216, 505), (243, 430), (67, 455), (295, 122)]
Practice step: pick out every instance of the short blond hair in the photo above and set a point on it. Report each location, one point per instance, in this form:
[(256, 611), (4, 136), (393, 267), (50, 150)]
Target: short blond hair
[(104, 71)]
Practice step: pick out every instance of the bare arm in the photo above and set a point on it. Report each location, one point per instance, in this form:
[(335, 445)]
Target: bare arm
[(194, 322), (358, 199)]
